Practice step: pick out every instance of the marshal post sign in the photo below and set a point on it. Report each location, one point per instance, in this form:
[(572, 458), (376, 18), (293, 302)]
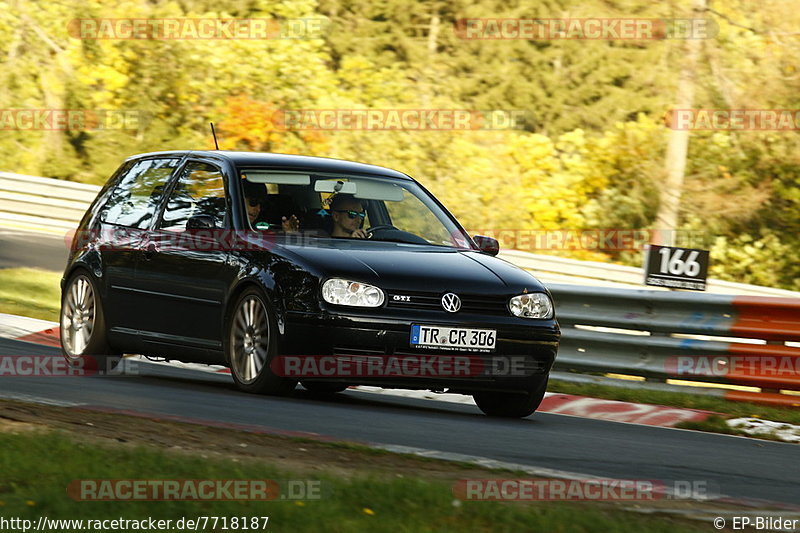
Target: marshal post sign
[(676, 268)]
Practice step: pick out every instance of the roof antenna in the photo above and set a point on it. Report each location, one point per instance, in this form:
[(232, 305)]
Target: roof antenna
[(214, 133)]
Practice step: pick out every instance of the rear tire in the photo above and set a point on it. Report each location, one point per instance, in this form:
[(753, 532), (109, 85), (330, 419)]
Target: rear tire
[(508, 405), (82, 326), (252, 344)]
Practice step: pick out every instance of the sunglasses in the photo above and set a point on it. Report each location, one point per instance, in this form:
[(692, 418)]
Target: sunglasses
[(353, 214)]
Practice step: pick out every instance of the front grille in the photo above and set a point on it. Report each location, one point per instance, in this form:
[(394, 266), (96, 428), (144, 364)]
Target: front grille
[(474, 304)]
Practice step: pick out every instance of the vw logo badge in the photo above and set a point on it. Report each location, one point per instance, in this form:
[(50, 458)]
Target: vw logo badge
[(451, 302)]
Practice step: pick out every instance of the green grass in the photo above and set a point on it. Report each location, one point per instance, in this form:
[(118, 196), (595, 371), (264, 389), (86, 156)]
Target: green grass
[(38, 467), (677, 399), (30, 292)]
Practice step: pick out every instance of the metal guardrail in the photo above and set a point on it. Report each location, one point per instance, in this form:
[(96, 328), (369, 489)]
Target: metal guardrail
[(713, 338), (44, 201)]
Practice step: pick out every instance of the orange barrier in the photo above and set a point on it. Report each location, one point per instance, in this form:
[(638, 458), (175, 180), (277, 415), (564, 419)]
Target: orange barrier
[(764, 398), (763, 317)]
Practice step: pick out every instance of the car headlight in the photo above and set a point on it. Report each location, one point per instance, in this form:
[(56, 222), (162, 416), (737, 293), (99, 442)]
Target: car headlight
[(534, 305), (344, 292)]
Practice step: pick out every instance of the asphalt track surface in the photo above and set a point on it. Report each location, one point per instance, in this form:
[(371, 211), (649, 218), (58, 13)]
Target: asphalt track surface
[(739, 467)]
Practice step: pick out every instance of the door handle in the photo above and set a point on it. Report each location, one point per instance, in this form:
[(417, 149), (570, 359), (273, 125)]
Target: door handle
[(150, 250)]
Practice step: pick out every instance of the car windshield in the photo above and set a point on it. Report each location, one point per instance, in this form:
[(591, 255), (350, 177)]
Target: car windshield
[(385, 209)]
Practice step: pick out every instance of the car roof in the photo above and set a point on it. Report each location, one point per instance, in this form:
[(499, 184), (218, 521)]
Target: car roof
[(298, 162)]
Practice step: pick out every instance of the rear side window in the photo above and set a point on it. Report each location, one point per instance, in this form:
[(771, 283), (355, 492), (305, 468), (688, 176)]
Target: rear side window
[(135, 199)]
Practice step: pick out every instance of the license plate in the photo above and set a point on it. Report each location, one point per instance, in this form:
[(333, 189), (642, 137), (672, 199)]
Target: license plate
[(448, 338)]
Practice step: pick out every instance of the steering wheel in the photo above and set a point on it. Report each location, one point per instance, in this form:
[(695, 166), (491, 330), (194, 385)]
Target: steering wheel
[(379, 227)]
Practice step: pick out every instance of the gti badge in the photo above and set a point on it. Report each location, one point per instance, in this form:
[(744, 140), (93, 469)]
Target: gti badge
[(451, 302)]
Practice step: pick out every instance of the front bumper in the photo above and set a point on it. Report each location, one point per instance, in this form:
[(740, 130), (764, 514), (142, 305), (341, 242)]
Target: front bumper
[(522, 359)]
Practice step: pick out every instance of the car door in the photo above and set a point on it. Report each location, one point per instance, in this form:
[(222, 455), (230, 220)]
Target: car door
[(183, 264), (128, 212)]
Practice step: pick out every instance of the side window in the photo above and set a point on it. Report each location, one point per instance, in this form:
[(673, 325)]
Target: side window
[(200, 190), (135, 199)]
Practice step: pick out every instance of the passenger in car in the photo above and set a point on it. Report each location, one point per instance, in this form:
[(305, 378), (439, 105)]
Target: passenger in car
[(348, 216), (255, 197)]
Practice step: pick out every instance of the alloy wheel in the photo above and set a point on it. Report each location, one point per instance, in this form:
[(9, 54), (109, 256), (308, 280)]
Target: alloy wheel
[(249, 339), (78, 317)]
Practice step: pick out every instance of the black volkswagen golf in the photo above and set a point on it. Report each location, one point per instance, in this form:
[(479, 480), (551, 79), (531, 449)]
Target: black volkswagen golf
[(295, 269)]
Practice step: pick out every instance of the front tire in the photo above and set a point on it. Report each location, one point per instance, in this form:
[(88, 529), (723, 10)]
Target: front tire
[(82, 328), (252, 345), (508, 405)]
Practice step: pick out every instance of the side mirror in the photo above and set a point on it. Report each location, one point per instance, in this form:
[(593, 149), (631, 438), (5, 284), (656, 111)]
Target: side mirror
[(487, 245), (201, 222)]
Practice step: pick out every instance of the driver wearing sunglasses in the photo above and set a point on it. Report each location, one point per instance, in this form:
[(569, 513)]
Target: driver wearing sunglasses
[(348, 217)]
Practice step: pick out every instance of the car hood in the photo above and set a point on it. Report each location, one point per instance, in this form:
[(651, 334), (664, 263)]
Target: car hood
[(415, 267)]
